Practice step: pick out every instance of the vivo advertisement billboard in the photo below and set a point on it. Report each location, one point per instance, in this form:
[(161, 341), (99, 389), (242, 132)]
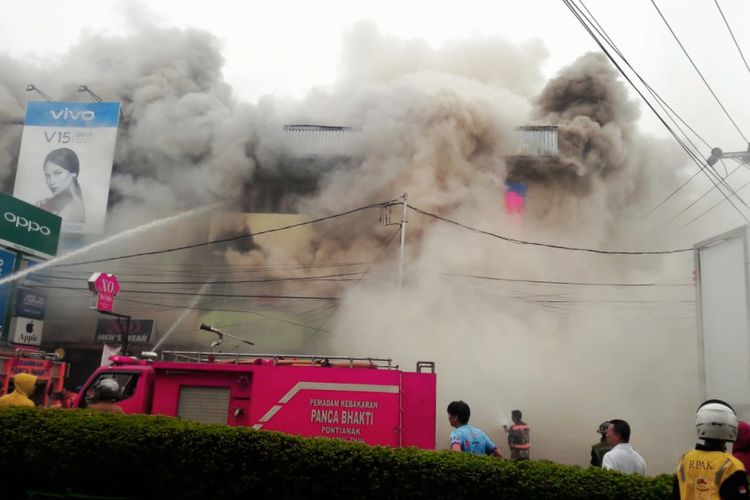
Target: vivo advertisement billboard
[(65, 163)]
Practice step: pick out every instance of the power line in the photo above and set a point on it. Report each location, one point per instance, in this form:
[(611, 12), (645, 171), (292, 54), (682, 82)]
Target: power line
[(374, 261), (239, 296), (712, 207), (203, 307), (548, 245), (575, 283), (233, 238), (698, 71), (732, 33), (668, 110), (586, 22), (326, 277), (664, 105), (703, 196)]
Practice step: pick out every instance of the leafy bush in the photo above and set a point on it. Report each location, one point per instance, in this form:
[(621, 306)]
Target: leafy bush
[(141, 456)]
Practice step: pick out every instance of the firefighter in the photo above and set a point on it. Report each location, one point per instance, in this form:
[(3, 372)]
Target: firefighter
[(24, 383), (599, 449), (107, 393), (709, 471), (518, 437)]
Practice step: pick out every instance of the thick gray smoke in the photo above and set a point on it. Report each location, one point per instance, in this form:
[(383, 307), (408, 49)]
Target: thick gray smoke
[(435, 123)]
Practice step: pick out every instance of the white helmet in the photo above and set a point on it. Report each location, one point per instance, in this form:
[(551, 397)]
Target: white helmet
[(107, 390), (715, 419)]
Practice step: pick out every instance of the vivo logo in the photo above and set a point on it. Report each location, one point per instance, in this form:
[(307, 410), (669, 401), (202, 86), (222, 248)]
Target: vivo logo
[(68, 114), (30, 225)]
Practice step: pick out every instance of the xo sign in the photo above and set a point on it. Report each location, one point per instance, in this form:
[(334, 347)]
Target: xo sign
[(104, 287)]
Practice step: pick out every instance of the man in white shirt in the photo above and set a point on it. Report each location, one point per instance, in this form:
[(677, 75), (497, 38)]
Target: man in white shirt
[(622, 457)]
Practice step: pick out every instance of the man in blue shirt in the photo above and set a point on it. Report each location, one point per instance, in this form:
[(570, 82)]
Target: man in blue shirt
[(465, 437)]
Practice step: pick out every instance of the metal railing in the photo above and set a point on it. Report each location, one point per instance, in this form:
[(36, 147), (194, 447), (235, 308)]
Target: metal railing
[(278, 359)]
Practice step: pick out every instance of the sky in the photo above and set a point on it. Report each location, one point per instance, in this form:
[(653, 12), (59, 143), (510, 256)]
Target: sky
[(289, 47)]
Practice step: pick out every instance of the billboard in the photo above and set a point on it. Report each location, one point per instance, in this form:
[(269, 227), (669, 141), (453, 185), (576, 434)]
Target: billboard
[(110, 330), (65, 163), (27, 228), (30, 303), (26, 331)]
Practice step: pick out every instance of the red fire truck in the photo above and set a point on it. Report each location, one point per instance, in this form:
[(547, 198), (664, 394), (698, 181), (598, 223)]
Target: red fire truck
[(358, 399), (50, 373)]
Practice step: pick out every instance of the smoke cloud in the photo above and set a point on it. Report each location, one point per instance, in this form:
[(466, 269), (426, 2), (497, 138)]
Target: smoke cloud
[(436, 123)]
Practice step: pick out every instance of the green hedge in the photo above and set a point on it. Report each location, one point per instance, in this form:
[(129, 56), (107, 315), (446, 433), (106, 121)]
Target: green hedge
[(140, 456)]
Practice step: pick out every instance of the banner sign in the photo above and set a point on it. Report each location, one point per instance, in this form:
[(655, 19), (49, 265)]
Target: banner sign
[(7, 262), (104, 288), (110, 331), (65, 163), (27, 228), (30, 303)]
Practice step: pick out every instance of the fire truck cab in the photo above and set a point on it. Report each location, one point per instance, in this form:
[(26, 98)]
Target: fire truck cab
[(358, 399)]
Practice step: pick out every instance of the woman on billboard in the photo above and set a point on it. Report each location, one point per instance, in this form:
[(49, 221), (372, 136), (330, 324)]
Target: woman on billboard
[(61, 169)]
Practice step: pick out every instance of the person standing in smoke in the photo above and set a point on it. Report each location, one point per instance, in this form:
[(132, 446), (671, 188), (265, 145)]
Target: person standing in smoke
[(709, 471), (599, 449), (466, 438), (518, 437), (61, 167), (622, 457)]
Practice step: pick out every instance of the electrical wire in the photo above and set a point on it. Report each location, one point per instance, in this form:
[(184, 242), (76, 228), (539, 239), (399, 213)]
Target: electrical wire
[(206, 307), (375, 260), (232, 238), (583, 20), (710, 190), (243, 296), (576, 283), (733, 37), (325, 277), (698, 71), (548, 245)]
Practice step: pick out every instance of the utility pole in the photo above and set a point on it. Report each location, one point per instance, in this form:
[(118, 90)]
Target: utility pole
[(717, 154), (403, 242)]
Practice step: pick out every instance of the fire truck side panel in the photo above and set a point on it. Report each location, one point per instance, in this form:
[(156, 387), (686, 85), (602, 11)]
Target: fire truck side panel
[(353, 404), (419, 409), (373, 406), (220, 397)]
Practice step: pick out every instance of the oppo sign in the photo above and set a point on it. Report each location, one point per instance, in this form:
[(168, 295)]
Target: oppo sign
[(28, 228), (30, 225)]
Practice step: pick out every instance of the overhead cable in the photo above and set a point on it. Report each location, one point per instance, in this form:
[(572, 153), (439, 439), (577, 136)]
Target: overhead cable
[(702, 165), (733, 37), (684, 51), (549, 245), (232, 238)]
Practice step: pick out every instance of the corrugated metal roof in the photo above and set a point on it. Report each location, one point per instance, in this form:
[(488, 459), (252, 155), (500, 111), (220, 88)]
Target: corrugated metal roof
[(302, 141), (534, 141), (321, 140)]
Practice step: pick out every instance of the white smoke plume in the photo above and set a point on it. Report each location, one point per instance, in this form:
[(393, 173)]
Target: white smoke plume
[(436, 123)]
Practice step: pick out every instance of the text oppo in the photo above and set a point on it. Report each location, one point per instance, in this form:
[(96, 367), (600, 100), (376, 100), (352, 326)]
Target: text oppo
[(30, 225)]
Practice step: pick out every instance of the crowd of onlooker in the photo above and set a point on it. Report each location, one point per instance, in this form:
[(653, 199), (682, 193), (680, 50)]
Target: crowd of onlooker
[(706, 472)]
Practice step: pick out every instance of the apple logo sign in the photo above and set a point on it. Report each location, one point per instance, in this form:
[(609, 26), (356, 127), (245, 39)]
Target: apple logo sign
[(30, 327)]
